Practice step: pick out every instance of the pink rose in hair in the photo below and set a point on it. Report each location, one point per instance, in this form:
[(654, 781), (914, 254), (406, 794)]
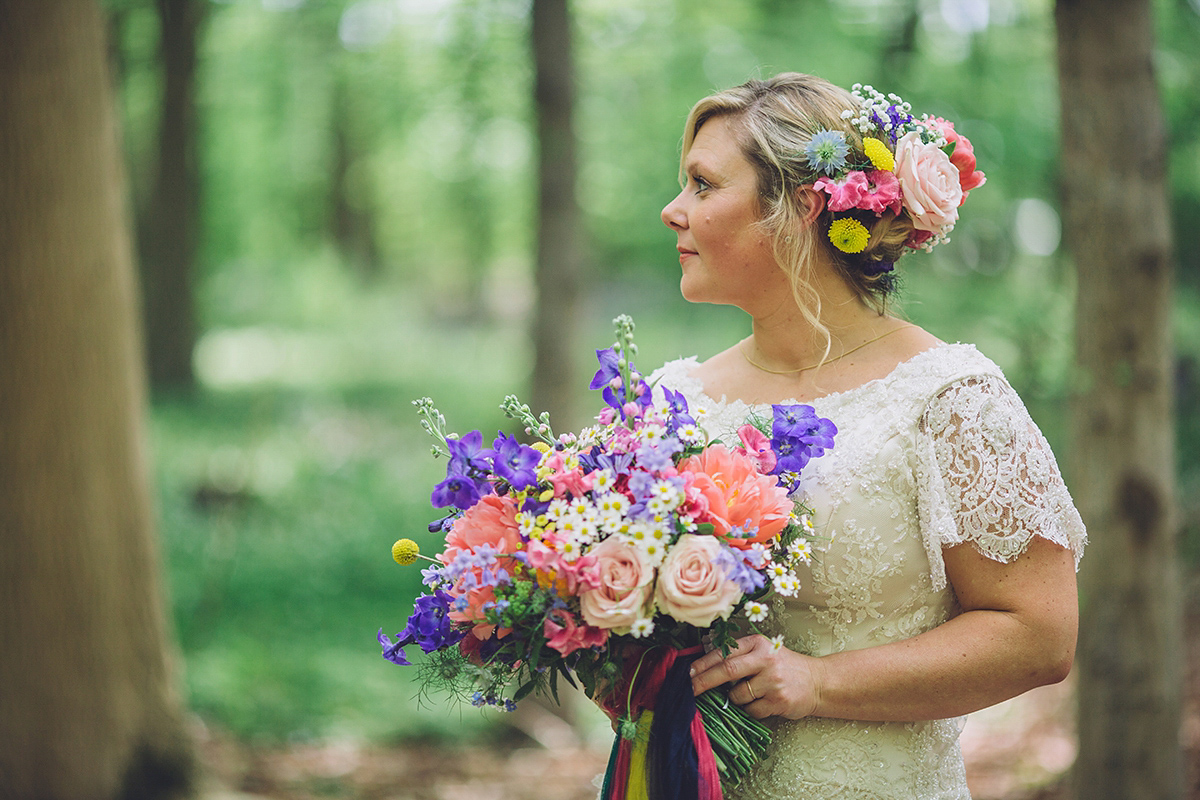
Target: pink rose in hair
[(621, 576), (929, 183), (692, 588), (963, 157)]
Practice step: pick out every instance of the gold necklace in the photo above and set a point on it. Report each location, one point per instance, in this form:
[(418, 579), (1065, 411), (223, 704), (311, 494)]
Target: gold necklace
[(756, 365)]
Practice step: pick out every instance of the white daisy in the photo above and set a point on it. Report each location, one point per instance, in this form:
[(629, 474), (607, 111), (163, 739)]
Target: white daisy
[(755, 611), (777, 643), (642, 628)]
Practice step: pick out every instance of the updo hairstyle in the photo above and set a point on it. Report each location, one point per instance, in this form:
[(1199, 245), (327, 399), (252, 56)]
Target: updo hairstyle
[(774, 121)]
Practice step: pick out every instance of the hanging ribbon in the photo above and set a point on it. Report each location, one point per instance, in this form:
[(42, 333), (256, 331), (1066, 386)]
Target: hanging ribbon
[(668, 756)]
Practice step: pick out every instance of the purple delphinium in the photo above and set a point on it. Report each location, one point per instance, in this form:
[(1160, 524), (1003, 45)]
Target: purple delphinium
[(616, 394), (515, 462), (392, 652), (677, 410), (457, 490), (429, 626), (798, 435)]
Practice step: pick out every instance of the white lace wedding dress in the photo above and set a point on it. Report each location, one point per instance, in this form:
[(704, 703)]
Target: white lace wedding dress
[(938, 453)]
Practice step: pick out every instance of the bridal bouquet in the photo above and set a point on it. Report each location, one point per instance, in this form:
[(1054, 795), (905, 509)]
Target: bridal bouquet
[(607, 556)]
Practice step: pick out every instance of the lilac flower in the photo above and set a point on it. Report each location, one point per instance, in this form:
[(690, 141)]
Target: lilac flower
[(656, 458), (748, 579), (392, 652), (515, 462)]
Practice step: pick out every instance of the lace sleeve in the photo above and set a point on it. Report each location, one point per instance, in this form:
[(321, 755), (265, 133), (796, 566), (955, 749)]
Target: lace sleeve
[(986, 475)]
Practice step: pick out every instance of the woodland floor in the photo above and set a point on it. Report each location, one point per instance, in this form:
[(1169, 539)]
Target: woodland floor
[(1019, 750)]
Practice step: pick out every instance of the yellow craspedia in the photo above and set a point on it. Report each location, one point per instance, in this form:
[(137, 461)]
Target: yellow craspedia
[(880, 156), (405, 552), (849, 235)]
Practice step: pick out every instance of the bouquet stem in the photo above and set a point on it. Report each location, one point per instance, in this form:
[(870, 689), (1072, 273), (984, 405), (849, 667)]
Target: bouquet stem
[(738, 739)]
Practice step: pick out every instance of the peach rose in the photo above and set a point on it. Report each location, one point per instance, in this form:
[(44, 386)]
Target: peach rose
[(621, 577), (736, 494), (928, 182), (691, 587)]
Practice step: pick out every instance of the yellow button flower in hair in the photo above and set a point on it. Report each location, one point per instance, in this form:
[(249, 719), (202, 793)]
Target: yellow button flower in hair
[(849, 235), (405, 551), (881, 157)]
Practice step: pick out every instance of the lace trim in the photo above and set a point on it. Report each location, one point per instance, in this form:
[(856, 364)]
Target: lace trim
[(986, 475)]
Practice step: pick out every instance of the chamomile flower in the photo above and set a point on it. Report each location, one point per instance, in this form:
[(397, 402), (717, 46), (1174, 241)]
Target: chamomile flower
[(642, 628), (787, 585), (557, 509), (777, 643), (690, 434), (801, 549), (654, 551), (755, 611), (602, 481)]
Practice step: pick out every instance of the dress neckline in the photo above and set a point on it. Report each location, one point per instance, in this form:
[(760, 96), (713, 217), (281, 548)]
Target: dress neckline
[(893, 374)]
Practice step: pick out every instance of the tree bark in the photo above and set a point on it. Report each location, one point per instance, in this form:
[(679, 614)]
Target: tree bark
[(557, 277), (169, 225), (1114, 158), (88, 707)]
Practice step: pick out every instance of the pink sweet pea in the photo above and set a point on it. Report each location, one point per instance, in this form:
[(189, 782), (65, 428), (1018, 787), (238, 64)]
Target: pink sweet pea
[(884, 194), (963, 156), (564, 633), (846, 194), (757, 446)]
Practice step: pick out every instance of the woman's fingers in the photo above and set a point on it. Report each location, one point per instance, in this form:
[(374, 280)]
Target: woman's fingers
[(713, 669)]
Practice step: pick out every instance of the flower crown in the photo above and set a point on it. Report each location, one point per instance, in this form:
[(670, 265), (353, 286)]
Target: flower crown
[(919, 167)]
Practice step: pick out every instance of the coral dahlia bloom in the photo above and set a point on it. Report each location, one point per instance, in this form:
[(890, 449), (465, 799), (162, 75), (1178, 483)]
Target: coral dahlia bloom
[(738, 495)]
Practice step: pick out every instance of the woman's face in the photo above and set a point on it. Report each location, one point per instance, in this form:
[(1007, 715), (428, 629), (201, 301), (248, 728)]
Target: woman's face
[(725, 256)]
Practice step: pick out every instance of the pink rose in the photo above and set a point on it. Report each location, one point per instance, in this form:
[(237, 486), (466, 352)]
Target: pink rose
[(692, 588), (564, 634), (757, 446), (737, 495), (963, 157), (621, 578), (928, 182)]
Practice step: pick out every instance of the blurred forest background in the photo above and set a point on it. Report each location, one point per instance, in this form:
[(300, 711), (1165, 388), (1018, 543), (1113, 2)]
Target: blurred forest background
[(362, 179)]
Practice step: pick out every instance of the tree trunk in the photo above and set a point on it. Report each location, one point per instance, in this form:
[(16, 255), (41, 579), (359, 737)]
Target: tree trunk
[(88, 707), (1114, 158), (169, 228), (556, 314)]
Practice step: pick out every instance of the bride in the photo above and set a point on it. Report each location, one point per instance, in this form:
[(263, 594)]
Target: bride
[(944, 576)]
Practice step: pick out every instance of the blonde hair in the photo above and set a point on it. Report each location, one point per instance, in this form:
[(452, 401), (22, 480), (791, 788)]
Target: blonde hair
[(774, 120)]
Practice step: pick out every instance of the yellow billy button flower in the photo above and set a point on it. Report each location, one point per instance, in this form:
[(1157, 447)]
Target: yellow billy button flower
[(405, 551), (849, 235), (881, 157)]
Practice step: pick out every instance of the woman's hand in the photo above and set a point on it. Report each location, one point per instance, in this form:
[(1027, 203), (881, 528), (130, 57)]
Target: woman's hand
[(767, 680)]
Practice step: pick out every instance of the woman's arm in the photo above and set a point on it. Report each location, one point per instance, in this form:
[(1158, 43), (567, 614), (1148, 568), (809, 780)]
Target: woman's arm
[(1016, 631)]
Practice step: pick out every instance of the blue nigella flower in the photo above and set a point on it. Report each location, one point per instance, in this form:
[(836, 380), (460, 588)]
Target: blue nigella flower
[(826, 152)]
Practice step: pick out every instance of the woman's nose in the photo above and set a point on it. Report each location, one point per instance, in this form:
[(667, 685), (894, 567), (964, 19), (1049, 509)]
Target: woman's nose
[(673, 216)]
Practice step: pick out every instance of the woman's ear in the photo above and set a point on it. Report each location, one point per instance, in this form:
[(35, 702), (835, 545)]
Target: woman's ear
[(812, 202)]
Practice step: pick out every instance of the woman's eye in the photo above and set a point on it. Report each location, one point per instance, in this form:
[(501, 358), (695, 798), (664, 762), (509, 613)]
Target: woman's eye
[(701, 184)]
